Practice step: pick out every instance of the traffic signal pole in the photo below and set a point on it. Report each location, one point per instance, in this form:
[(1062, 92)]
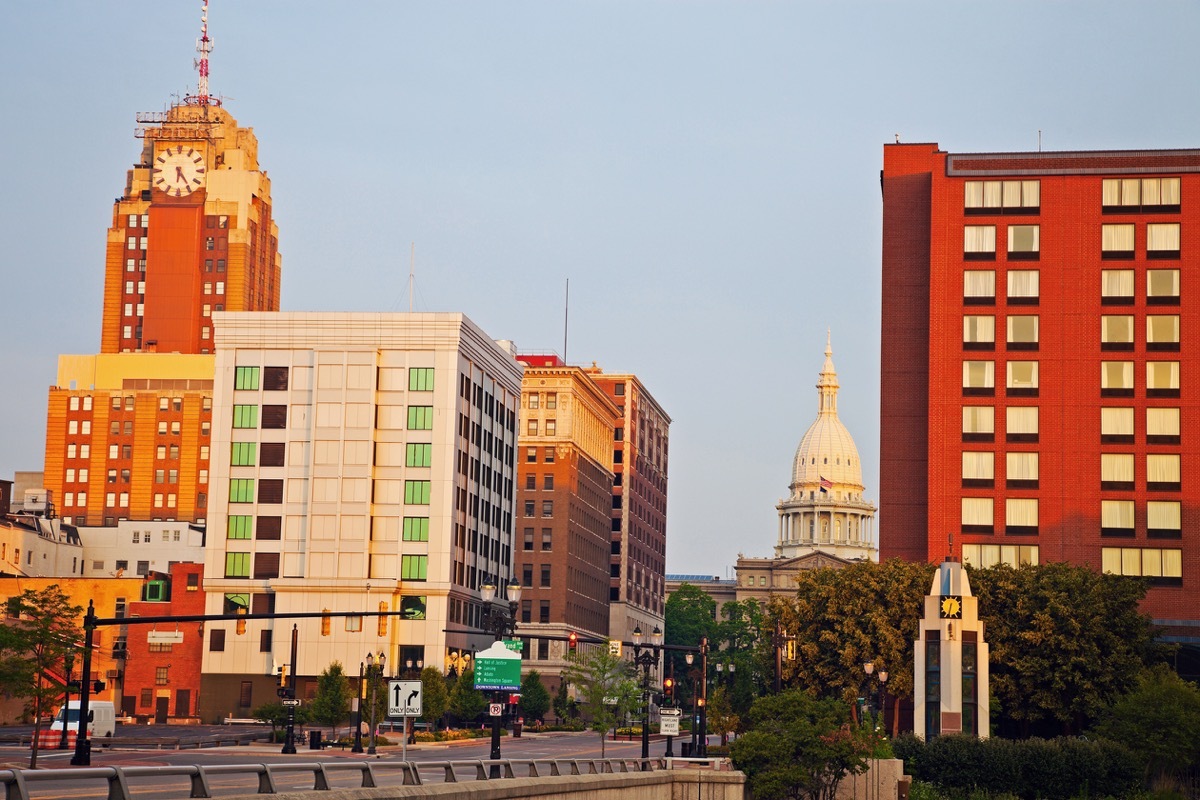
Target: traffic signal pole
[(83, 746), (289, 742)]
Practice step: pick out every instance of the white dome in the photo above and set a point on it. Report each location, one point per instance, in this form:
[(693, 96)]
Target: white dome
[(827, 450)]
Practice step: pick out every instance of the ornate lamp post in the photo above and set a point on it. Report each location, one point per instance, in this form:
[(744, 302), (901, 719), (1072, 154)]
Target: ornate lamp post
[(374, 666), (695, 722), (358, 707), (646, 660), (703, 750), (499, 621), (881, 676)]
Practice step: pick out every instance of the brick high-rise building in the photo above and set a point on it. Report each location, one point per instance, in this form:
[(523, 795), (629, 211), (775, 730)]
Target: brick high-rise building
[(192, 234), (1040, 336), (564, 498)]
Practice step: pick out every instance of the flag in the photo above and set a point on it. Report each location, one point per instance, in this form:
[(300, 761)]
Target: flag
[(826, 484)]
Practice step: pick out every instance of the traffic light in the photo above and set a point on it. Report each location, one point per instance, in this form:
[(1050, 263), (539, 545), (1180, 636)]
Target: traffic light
[(572, 641), (241, 623), (325, 622), (97, 686), (668, 688), (284, 691)]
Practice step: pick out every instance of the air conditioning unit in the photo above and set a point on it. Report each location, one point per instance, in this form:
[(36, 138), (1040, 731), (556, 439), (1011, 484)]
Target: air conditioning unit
[(113, 674)]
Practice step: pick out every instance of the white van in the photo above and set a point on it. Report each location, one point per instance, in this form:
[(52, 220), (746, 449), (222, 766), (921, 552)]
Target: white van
[(102, 718)]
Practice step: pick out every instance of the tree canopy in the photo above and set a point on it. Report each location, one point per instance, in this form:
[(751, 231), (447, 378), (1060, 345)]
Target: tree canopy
[(689, 615), (535, 699), (435, 699), (466, 702), (605, 688), (331, 706), (1159, 721)]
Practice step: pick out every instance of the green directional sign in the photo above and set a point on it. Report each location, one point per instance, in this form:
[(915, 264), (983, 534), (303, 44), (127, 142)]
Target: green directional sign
[(516, 645), (498, 668)]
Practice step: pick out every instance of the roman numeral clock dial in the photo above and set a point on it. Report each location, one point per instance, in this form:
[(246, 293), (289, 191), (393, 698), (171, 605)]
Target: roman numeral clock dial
[(178, 171)]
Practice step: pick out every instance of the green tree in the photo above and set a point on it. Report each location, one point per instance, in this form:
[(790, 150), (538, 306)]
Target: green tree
[(690, 615), (331, 706), (605, 689), (1065, 642), (721, 717), (1159, 721), (466, 702), (535, 700), (744, 642), (42, 639), (564, 707), (799, 747), (843, 618), (435, 699)]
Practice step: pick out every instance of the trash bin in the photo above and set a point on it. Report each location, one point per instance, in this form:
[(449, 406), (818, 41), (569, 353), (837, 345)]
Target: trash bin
[(518, 725), (314, 740), (685, 750)]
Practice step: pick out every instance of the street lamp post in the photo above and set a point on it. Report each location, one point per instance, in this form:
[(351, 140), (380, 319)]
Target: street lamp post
[(721, 669), (646, 660), (358, 706), (374, 664), (499, 621), (703, 752), (70, 665), (694, 721)]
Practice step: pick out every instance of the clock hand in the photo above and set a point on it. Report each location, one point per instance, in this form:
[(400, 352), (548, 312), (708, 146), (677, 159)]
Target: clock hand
[(179, 176)]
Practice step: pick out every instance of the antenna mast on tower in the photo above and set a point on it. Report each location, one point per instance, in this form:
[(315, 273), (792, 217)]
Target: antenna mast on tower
[(203, 47)]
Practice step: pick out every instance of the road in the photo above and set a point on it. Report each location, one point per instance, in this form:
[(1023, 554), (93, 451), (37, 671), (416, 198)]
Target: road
[(540, 746)]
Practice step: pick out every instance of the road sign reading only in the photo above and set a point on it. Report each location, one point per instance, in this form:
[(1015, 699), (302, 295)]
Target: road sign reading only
[(404, 698)]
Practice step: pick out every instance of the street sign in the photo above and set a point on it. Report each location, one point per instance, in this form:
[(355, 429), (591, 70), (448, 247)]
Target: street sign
[(614, 647), (670, 712), (498, 668), (291, 702), (516, 645), (404, 699), (495, 709), (668, 726)]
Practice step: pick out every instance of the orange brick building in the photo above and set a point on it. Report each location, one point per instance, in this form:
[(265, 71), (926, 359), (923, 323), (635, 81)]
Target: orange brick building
[(1040, 322)]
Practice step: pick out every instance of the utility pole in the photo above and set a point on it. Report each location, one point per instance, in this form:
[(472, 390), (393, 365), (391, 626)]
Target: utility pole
[(289, 742)]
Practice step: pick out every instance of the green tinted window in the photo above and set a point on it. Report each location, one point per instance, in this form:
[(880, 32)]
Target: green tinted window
[(245, 378), (416, 529), (420, 379), (242, 454), (420, 418), (414, 568), (418, 455), (240, 526), (241, 490), (245, 416), (416, 493)]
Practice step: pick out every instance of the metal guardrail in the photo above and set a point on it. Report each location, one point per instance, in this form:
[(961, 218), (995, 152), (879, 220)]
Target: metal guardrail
[(17, 781)]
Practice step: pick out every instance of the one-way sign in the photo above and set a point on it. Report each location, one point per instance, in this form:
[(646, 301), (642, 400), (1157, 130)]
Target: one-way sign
[(404, 698)]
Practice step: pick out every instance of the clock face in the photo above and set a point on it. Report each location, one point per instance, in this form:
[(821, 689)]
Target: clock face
[(178, 171), (951, 607)]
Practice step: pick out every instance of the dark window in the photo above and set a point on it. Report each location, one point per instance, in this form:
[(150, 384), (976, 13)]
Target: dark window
[(544, 611), (216, 640), (245, 696), (274, 417), (268, 527), (262, 603), (264, 641), (270, 454), (266, 565), (275, 379), (270, 490)]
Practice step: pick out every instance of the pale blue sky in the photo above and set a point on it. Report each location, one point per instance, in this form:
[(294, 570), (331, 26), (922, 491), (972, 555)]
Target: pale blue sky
[(705, 173)]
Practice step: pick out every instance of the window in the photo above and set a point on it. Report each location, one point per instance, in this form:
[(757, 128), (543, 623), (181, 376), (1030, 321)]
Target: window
[(413, 606), (1022, 379), (551, 400), (270, 490), (1162, 287), (1116, 518), (548, 455), (1002, 197), (1023, 287), (241, 454), (1163, 519), (420, 418), (274, 417), (1126, 195), (1162, 425), (1162, 566), (547, 538), (414, 568), (1024, 242), (216, 641), (977, 515), (528, 540), (1023, 333), (1116, 379), (551, 427), (417, 492), (1162, 379), (1020, 516), (420, 379), (418, 455), (979, 378), (237, 565), (275, 379), (268, 528), (979, 333), (1116, 471), (1116, 332), (978, 424), (239, 526), (1116, 425), (245, 416), (1162, 472), (1116, 287), (547, 508), (979, 242), (1162, 240), (527, 575), (978, 469), (1162, 332), (979, 287), (530, 506), (1021, 424), (548, 482), (271, 454), (1021, 471), (989, 555), (416, 529), (1116, 241), (531, 427), (531, 481), (535, 400), (530, 455), (245, 378), (241, 490)]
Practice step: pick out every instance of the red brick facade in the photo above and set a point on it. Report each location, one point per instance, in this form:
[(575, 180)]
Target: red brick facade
[(164, 682), (1043, 419)]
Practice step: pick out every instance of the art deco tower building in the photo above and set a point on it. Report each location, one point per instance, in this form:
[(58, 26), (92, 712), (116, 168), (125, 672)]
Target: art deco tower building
[(192, 234)]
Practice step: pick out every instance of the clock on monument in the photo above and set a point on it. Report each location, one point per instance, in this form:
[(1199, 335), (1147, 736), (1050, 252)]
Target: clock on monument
[(179, 170)]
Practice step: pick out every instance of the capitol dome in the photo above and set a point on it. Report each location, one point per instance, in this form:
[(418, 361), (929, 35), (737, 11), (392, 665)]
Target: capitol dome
[(827, 450)]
